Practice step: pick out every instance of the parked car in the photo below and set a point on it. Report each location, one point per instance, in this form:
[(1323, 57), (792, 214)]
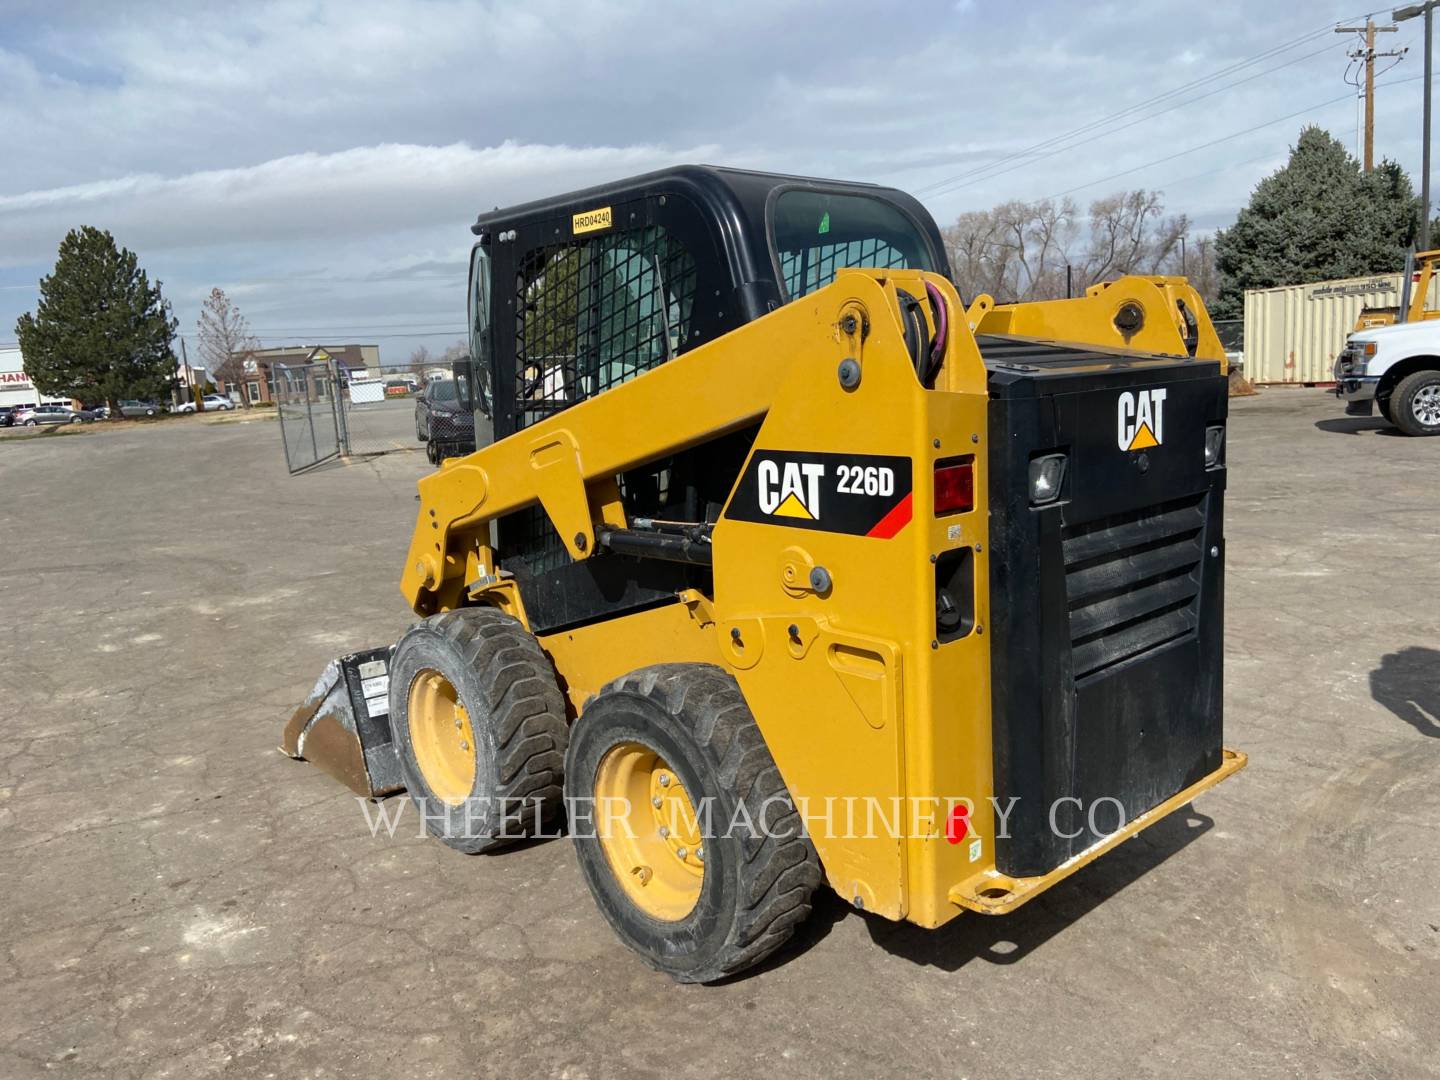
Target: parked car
[(443, 422), (53, 414), (213, 403), (131, 407)]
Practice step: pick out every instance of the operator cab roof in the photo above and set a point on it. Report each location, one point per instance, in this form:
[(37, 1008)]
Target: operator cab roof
[(756, 226)]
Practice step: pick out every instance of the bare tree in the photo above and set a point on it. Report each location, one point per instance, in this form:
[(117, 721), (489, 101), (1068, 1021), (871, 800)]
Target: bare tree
[(459, 350), (1026, 251), (1015, 251), (419, 358), (225, 340), (1128, 234), (1196, 261)]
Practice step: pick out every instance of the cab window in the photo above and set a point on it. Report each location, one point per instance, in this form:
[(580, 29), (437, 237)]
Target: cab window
[(479, 363), (816, 233)]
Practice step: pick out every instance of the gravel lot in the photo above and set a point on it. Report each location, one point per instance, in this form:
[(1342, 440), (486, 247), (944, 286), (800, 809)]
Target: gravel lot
[(180, 900)]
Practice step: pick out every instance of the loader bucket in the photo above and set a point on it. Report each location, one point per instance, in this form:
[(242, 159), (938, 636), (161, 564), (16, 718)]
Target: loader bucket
[(344, 725)]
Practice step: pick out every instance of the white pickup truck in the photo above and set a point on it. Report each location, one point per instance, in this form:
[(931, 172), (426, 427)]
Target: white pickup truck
[(1397, 369)]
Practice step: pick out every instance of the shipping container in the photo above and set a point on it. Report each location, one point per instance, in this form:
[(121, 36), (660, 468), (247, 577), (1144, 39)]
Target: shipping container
[(1294, 332)]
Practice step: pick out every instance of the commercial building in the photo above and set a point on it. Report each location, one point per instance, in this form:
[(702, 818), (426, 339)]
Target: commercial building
[(15, 386), (257, 381)]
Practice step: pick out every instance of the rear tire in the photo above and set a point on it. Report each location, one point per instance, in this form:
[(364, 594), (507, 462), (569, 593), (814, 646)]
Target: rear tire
[(1415, 404), (687, 726), (479, 727)]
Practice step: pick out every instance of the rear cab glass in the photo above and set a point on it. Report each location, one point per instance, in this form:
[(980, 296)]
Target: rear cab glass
[(816, 233)]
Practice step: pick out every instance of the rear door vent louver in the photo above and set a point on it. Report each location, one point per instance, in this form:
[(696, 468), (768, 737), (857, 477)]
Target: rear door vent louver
[(1132, 582)]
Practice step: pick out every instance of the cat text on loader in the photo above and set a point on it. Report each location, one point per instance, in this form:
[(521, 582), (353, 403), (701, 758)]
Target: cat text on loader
[(788, 568)]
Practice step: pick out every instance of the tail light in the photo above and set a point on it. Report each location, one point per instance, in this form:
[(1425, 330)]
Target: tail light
[(954, 486)]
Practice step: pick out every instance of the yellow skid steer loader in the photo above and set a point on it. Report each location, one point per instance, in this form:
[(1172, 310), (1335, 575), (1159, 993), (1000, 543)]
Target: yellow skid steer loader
[(789, 568)]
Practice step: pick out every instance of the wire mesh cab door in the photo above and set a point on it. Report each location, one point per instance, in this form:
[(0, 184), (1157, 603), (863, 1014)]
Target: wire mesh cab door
[(580, 307)]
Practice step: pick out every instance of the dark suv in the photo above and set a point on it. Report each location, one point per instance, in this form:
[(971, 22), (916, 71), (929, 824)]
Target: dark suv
[(443, 421)]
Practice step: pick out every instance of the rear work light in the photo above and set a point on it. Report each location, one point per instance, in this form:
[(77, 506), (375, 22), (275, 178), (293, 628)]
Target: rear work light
[(954, 487), (1047, 477), (1214, 446)]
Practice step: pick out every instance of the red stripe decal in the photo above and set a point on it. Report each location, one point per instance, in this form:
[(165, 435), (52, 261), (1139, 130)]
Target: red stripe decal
[(895, 520)]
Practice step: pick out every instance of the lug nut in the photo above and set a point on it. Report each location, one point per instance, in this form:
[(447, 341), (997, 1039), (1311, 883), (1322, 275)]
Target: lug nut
[(664, 833), (464, 745), (655, 802), (700, 853), (680, 853), (664, 779)]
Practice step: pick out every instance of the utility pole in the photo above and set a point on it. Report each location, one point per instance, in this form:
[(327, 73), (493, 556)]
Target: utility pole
[(1369, 55), (1400, 15)]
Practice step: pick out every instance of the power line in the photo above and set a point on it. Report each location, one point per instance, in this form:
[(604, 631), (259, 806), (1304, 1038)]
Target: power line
[(1215, 142), (286, 335), (351, 328), (1028, 154), (1032, 158)]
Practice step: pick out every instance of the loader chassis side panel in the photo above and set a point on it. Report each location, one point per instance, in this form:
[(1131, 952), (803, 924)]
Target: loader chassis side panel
[(1108, 604)]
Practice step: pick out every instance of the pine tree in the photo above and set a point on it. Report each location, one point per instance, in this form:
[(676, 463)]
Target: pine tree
[(102, 331), (1318, 218)]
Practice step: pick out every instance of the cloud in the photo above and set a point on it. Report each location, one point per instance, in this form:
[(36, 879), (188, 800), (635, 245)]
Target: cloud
[(323, 161), (315, 197)]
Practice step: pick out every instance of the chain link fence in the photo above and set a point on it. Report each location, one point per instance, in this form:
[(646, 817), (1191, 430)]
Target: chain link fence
[(329, 411), (309, 412)]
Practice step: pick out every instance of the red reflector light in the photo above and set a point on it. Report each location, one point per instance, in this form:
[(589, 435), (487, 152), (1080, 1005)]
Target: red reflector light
[(958, 823), (954, 488)]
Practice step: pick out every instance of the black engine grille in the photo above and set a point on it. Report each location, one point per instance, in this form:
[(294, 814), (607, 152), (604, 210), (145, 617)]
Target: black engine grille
[(1132, 582)]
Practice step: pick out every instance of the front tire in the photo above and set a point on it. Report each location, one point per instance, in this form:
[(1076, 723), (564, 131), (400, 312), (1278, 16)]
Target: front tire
[(479, 727), (1415, 404), (698, 896)]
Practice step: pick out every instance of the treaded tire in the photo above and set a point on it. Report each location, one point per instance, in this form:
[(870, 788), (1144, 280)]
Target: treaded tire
[(507, 686), (1402, 411), (756, 888)]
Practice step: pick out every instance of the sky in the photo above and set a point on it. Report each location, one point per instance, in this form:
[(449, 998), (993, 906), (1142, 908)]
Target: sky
[(322, 162)]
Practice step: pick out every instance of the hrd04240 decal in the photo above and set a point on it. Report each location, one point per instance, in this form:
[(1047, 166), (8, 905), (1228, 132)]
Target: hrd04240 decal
[(858, 494)]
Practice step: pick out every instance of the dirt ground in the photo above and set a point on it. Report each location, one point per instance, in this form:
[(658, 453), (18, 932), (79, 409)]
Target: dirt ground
[(180, 901)]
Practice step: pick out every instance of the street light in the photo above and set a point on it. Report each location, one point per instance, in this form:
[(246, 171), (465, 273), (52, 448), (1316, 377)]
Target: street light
[(1400, 15)]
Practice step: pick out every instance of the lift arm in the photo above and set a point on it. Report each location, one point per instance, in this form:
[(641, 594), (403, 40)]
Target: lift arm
[(568, 463)]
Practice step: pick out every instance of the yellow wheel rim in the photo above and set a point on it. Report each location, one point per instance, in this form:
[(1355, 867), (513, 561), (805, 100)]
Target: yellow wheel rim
[(648, 831), (441, 735)]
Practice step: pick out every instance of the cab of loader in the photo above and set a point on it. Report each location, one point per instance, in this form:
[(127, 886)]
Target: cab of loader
[(573, 295)]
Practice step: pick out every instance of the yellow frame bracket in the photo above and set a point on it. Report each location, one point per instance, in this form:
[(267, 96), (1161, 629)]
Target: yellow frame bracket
[(994, 893), (559, 482)]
